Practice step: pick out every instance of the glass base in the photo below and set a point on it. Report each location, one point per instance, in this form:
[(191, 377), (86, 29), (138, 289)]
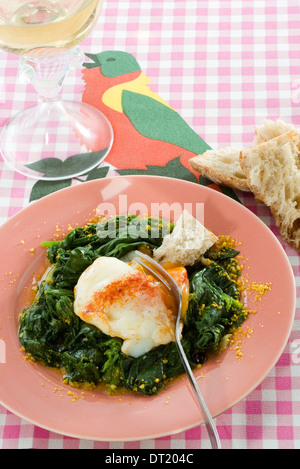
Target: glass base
[(56, 140)]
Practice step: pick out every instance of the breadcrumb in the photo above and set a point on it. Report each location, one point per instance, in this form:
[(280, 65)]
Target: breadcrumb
[(259, 288)]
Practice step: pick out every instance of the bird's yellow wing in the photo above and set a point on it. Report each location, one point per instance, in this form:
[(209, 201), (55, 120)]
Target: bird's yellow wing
[(113, 96)]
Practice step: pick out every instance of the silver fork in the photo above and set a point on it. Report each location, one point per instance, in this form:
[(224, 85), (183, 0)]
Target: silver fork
[(162, 275)]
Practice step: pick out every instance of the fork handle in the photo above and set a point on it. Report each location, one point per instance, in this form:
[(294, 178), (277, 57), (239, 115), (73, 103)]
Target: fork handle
[(208, 421)]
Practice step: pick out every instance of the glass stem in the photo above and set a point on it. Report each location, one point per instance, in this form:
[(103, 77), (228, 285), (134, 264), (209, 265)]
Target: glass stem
[(47, 74)]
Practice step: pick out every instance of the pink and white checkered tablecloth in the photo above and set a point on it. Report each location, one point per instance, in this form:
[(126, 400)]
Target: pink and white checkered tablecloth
[(224, 65)]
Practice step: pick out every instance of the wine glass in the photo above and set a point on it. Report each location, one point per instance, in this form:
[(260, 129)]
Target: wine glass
[(54, 139)]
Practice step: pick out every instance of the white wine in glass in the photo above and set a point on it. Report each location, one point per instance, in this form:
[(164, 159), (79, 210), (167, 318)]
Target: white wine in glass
[(53, 139)]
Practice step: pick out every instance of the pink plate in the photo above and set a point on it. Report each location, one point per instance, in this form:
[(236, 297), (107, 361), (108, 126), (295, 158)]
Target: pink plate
[(37, 394)]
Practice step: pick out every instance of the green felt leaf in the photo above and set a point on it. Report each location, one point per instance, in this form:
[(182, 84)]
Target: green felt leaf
[(54, 167), (204, 181), (230, 193), (173, 169), (159, 122), (97, 173), (47, 166), (42, 188)]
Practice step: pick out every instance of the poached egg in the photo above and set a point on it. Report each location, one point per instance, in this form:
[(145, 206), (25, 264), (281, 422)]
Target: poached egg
[(123, 301)]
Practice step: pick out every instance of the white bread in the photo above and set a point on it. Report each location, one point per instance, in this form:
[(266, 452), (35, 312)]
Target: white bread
[(269, 129), (222, 167), (273, 175), (186, 244)]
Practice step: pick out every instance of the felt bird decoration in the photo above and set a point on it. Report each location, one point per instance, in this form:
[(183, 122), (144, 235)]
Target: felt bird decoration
[(147, 131), (149, 136)]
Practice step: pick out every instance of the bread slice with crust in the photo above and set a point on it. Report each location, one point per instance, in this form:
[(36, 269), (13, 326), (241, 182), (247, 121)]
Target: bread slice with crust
[(273, 175), (222, 167), (187, 243)]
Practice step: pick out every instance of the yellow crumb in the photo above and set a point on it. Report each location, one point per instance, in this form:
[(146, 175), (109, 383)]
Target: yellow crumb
[(238, 338), (259, 288), (226, 242), (29, 358), (74, 397)]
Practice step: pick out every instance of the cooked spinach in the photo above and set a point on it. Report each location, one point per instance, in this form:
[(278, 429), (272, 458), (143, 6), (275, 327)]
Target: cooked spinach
[(52, 333), (214, 306)]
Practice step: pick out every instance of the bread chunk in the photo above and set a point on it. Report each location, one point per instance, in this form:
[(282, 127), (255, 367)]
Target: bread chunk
[(269, 129), (222, 167), (273, 175), (186, 244)]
